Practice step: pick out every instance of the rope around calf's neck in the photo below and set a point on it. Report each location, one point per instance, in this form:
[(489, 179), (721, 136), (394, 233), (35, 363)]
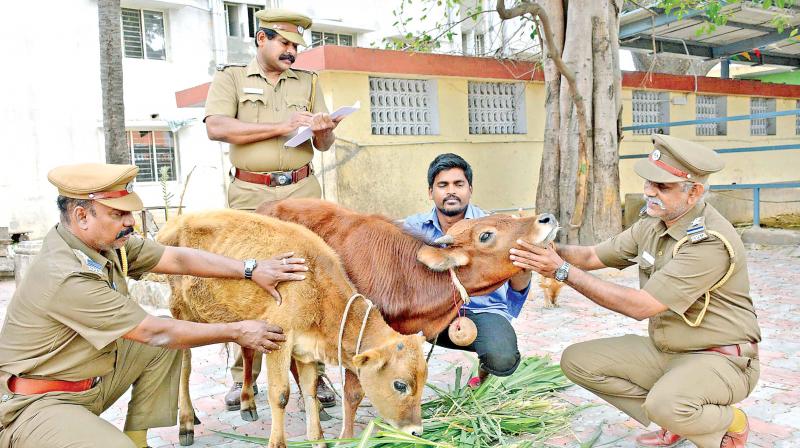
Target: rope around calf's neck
[(360, 333)]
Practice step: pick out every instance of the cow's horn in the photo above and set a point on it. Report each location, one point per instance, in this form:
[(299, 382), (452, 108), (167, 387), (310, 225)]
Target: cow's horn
[(444, 240)]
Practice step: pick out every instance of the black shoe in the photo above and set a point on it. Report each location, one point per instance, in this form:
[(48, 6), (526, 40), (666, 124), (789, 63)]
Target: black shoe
[(233, 399), (325, 395)]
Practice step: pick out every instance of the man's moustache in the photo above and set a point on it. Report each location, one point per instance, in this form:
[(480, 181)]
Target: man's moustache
[(286, 57), (452, 197), (654, 201), (124, 232)]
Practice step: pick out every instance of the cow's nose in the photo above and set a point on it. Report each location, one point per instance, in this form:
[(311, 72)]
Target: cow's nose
[(547, 218), (417, 432)]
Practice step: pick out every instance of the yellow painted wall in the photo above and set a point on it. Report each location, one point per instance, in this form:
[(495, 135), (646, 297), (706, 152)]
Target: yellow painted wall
[(387, 174)]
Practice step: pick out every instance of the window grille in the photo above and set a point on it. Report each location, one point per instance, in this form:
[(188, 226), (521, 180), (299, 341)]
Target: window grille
[(319, 38), (403, 106), (151, 151), (496, 107), (143, 34), (762, 126), (709, 106), (650, 108)]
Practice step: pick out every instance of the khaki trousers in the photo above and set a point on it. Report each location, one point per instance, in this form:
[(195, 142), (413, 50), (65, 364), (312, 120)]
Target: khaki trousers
[(687, 393), (247, 196), (62, 419)]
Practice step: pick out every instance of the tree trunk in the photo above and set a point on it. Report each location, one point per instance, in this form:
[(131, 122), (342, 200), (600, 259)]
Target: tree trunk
[(548, 191), (108, 12), (588, 78)]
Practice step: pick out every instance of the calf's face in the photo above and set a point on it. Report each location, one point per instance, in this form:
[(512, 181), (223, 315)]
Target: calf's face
[(479, 248), (393, 377)]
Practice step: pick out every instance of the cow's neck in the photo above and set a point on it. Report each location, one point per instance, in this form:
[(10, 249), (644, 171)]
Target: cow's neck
[(376, 331)]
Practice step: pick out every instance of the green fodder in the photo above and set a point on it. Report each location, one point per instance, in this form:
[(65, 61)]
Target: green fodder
[(520, 410)]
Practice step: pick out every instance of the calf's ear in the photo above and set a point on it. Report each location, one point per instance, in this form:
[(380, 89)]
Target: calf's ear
[(370, 358), (442, 259)]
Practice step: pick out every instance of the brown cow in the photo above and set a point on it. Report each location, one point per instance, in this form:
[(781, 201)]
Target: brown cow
[(390, 365), (382, 261)]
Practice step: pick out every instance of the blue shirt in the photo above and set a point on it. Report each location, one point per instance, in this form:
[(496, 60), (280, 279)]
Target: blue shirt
[(504, 300)]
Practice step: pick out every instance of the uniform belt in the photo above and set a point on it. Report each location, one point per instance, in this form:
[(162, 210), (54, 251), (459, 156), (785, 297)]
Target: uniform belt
[(745, 349), (33, 386), (275, 178)]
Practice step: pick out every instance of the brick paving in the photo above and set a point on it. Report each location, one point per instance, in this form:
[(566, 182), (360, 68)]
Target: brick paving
[(773, 408)]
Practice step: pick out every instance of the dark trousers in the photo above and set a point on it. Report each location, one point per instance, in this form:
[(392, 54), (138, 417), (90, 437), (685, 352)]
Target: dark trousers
[(496, 344)]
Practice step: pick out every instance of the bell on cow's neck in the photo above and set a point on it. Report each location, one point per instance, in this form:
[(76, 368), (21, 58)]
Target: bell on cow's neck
[(462, 331)]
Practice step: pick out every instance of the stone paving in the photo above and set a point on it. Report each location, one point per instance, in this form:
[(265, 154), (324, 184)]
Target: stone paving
[(773, 408)]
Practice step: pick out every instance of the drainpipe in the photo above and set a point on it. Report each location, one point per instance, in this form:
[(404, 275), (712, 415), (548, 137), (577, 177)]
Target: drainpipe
[(218, 32)]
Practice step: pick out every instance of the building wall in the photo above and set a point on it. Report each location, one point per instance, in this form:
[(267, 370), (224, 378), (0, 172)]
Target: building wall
[(387, 174)]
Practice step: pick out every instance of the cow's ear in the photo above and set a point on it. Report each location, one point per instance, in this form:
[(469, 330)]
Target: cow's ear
[(370, 358), (442, 259)]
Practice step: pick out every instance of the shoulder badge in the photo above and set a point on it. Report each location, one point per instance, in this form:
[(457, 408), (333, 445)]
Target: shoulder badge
[(697, 230), (87, 262), (221, 67)]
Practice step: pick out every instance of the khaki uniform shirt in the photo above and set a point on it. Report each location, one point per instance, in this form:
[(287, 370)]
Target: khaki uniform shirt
[(680, 282), (66, 315), (245, 93)]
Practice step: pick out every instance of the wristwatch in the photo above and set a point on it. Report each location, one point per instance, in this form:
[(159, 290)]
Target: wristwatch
[(562, 272), (249, 266)]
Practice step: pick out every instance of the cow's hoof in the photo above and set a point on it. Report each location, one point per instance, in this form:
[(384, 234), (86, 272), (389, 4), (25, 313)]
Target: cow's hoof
[(196, 420), (186, 438), (249, 415)]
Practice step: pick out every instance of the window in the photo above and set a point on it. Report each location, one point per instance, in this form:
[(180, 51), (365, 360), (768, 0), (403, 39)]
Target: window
[(319, 38), (232, 19), (252, 21), (650, 108), (403, 106), (151, 151), (496, 107), (480, 45), (762, 126), (143, 34), (709, 106)]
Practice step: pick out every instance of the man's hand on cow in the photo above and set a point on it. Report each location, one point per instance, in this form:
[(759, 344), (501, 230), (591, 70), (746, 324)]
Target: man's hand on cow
[(543, 260), (297, 119), (283, 267), (259, 335)]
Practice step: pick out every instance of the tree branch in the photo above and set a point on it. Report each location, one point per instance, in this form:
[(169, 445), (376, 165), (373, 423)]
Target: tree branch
[(539, 13)]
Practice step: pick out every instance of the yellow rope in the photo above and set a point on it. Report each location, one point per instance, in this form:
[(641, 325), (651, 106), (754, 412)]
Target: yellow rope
[(123, 256), (724, 279)]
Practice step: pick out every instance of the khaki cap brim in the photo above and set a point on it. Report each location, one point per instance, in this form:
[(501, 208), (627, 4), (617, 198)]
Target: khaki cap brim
[(128, 203), (649, 171), (292, 37)]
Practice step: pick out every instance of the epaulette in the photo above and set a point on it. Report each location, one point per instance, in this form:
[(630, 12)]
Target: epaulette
[(221, 67), (697, 230), (87, 263), (310, 72)]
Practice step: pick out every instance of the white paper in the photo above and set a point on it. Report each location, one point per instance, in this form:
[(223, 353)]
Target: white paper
[(304, 133)]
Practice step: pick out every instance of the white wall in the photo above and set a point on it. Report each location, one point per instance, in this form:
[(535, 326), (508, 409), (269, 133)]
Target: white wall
[(49, 103)]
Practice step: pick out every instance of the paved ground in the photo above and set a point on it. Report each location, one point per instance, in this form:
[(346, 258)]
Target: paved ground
[(773, 408)]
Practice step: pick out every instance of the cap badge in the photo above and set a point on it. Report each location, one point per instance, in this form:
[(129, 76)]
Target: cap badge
[(129, 187), (300, 29), (656, 154)]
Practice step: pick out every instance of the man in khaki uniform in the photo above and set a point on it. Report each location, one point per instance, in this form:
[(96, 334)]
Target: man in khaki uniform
[(73, 341), (256, 108), (701, 356)]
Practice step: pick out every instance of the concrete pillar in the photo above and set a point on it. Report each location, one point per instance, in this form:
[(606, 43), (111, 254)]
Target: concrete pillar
[(725, 68)]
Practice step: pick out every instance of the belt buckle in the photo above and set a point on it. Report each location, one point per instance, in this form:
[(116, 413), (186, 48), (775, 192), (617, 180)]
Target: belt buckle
[(280, 178)]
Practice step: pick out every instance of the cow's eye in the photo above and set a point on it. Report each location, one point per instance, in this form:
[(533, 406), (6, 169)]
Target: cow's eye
[(400, 387), (485, 236)]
